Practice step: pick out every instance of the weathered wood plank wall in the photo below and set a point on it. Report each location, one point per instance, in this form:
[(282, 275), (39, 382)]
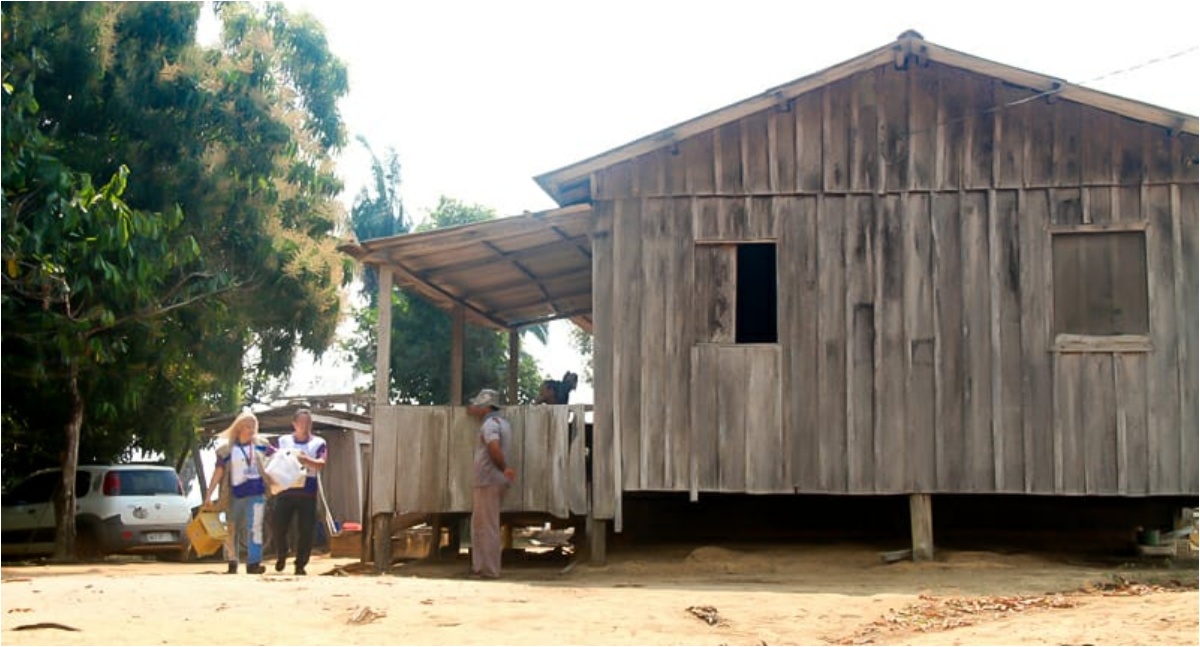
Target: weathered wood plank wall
[(914, 221), (422, 460)]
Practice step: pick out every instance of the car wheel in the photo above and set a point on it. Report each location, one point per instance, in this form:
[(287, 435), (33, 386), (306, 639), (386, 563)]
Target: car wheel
[(87, 545)]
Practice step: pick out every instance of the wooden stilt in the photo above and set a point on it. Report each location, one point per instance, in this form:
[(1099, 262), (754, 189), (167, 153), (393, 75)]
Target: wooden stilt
[(598, 542), (920, 510), (381, 536), (458, 338), (514, 365), (435, 537)]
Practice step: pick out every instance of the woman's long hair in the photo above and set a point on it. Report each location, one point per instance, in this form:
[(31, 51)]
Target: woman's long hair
[(231, 432)]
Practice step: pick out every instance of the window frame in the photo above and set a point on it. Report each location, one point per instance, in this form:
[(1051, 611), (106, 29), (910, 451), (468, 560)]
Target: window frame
[(701, 337), (1068, 342)]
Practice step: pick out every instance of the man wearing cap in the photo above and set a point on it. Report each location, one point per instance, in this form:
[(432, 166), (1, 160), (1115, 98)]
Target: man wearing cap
[(492, 477)]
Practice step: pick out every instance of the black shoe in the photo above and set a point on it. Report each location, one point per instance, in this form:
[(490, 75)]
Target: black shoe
[(232, 568), (255, 569), (280, 563), (300, 571)]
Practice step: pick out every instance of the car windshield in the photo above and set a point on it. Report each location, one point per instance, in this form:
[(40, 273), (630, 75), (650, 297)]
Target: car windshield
[(147, 482)]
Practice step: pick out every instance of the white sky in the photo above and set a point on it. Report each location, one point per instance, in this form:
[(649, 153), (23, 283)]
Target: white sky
[(478, 97)]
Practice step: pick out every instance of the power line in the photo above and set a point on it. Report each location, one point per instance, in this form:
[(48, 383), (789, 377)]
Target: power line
[(1059, 87)]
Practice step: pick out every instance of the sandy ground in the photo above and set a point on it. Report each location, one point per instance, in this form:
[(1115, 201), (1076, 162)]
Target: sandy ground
[(762, 595)]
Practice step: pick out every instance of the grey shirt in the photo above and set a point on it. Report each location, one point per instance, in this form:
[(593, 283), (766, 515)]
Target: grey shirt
[(494, 427)]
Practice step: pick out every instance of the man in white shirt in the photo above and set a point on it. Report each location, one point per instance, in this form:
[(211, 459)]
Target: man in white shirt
[(299, 501)]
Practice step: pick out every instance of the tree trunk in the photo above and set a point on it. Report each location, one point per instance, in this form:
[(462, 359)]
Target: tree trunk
[(64, 538)]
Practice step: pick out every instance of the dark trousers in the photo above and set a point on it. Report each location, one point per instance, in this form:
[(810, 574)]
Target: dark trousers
[(304, 508)]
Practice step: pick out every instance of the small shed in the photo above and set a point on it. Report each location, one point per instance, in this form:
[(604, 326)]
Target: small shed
[(917, 272)]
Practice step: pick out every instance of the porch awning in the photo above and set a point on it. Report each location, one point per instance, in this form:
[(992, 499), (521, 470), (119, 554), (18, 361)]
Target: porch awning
[(505, 273)]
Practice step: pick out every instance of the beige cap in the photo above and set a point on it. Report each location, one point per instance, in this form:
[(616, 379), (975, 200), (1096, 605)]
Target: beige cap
[(486, 398)]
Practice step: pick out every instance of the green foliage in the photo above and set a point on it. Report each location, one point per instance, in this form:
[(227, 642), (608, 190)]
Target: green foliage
[(211, 236), (420, 332), (582, 342)]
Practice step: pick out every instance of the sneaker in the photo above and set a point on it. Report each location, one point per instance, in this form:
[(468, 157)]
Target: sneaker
[(280, 563), (255, 569), (300, 571), (232, 568)]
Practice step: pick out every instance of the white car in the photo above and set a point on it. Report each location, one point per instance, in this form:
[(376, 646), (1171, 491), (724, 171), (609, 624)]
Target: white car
[(119, 509)]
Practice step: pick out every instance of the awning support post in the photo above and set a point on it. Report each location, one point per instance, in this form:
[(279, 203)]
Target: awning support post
[(458, 337), (514, 364)]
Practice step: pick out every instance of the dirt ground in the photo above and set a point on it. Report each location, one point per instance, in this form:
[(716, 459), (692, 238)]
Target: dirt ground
[(760, 595)]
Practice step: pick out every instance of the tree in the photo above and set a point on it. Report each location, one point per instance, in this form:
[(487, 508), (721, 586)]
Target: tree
[(129, 308), (582, 342), (421, 332)]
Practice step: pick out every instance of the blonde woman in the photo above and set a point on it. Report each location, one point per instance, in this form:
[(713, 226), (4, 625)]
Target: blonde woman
[(241, 458)]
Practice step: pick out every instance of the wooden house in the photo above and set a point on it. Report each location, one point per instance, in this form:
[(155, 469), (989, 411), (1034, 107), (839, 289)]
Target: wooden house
[(916, 272)]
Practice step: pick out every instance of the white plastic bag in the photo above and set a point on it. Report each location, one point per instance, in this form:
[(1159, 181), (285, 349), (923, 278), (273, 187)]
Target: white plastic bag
[(285, 471)]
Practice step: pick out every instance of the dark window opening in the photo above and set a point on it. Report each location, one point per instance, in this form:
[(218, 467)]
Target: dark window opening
[(757, 295), (1100, 283)]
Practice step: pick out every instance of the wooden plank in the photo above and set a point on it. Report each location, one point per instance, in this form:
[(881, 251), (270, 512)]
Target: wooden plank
[(864, 128), (1128, 151), (512, 392), (1067, 207), (698, 155), (461, 444), (920, 510), (1039, 143), (1162, 372), (1004, 241), (1068, 143), (732, 399), (949, 386), (831, 331), (678, 288), (716, 292), (781, 129), (407, 484), (606, 451), (837, 136), (1158, 154), (1187, 286), (732, 219), (764, 422), (727, 148), (977, 358), (1011, 123), (922, 127), (1068, 420), (383, 336), (1130, 379), (756, 163), (1099, 437), (527, 474), (809, 126), (383, 460), (627, 326), (760, 219), (652, 358), (1097, 166), (861, 299), (953, 100), (615, 182), (558, 483), (919, 339), (892, 93), (1067, 343), (1185, 146), (705, 443), (676, 171), (650, 173), (1127, 206), (1097, 206), (576, 476), (891, 454), (798, 308), (980, 133), (1036, 291), (435, 470)]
